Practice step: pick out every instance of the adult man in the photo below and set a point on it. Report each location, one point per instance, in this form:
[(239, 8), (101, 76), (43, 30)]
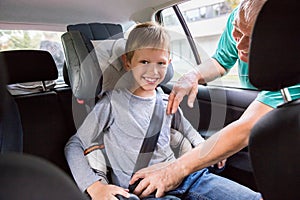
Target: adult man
[(233, 45)]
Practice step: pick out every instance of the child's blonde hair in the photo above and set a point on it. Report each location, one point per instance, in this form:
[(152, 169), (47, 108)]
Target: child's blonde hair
[(147, 35)]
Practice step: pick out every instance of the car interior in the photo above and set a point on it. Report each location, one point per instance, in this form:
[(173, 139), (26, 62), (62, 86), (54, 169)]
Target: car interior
[(36, 123)]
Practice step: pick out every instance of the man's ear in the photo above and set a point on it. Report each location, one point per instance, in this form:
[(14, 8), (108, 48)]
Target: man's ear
[(125, 62)]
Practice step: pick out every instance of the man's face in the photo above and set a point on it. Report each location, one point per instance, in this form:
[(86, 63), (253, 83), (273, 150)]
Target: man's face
[(241, 33)]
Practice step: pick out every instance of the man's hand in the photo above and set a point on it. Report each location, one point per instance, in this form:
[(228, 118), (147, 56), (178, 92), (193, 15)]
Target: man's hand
[(100, 191), (159, 178), (186, 85)]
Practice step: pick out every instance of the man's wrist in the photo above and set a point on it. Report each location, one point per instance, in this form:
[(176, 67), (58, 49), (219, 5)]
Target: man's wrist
[(180, 168), (196, 71)]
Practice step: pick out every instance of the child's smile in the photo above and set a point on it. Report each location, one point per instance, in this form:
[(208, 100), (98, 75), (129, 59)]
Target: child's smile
[(148, 66)]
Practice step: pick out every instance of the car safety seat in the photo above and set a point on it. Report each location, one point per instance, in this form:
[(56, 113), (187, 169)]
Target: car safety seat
[(81, 70), (274, 143), (90, 63)]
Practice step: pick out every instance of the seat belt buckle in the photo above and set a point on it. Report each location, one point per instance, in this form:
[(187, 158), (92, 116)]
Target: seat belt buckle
[(133, 186)]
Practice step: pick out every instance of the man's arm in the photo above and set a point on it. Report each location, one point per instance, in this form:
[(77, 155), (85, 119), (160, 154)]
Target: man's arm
[(224, 58), (224, 143)]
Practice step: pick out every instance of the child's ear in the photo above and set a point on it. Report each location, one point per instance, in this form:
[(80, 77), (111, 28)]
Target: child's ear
[(125, 62)]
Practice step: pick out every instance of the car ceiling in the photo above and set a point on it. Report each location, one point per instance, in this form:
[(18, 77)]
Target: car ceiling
[(56, 14)]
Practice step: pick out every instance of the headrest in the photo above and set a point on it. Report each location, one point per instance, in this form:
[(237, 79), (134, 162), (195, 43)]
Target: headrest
[(28, 66), (97, 31), (274, 53), (169, 74)]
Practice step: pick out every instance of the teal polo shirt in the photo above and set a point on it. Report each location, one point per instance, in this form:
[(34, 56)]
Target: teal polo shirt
[(227, 55)]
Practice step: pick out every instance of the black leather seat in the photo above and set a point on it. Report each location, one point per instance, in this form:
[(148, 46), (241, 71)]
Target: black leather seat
[(11, 133), (274, 65), (29, 177), (45, 130)]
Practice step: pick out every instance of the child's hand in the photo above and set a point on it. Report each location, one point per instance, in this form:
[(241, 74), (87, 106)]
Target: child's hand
[(218, 167), (100, 191), (221, 164)]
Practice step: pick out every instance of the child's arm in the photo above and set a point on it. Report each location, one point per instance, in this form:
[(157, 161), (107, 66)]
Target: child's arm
[(184, 127), (87, 135), (82, 172), (181, 124), (101, 191)]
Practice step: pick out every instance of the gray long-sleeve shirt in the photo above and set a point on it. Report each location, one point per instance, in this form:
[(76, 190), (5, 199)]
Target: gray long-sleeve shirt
[(121, 120)]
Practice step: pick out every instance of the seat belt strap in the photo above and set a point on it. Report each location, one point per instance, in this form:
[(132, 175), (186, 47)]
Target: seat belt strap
[(151, 138)]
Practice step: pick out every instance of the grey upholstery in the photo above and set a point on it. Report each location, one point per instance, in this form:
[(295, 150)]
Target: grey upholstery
[(82, 65), (274, 143)]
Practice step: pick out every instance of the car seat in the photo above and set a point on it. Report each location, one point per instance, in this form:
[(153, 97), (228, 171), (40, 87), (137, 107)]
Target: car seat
[(81, 70), (29, 177), (11, 134), (45, 130), (274, 143)]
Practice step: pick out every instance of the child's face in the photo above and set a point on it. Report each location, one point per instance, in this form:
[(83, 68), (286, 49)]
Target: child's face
[(149, 67)]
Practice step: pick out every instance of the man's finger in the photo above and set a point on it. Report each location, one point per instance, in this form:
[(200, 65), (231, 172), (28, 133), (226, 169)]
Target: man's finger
[(159, 193), (136, 177), (141, 187), (192, 96), (149, 190), (170, 102), (178, 98)]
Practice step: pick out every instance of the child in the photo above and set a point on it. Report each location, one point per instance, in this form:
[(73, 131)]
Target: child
[(120, 120)]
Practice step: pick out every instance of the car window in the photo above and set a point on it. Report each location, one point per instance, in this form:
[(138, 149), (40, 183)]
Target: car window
[(181, 52), (29, 39), (206, 21)]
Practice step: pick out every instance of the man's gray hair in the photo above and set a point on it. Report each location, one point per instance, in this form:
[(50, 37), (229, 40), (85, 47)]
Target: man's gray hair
[(250, 9)]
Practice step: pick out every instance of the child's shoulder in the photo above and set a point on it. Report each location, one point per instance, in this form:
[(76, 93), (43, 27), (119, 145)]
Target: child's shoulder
[(103, 99), (115, 94)]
